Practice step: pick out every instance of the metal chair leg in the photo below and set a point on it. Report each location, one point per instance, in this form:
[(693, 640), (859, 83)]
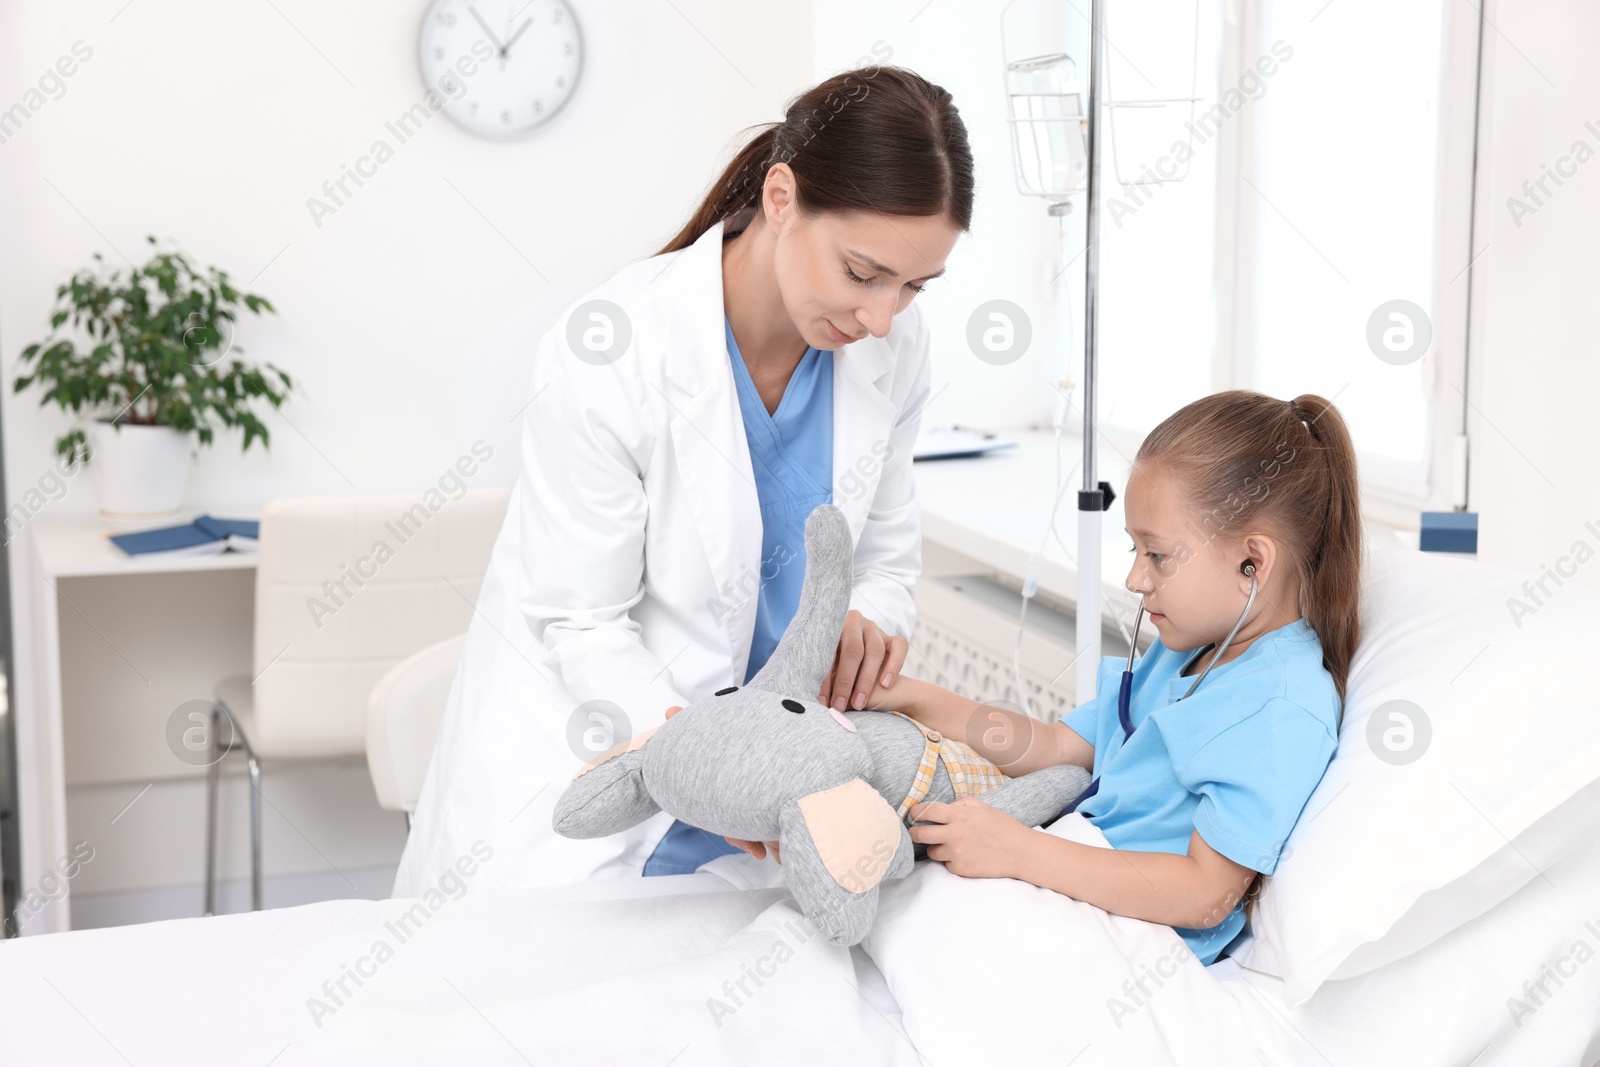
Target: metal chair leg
[(255, 832), (213, 771), (408, 822)]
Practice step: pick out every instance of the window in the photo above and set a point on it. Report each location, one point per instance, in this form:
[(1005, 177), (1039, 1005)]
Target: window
[(1340, 214), (1158, 247), (1331, 175)]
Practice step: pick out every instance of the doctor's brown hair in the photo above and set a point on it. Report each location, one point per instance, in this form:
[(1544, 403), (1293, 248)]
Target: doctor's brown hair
[(1245, 462), (877, 138)]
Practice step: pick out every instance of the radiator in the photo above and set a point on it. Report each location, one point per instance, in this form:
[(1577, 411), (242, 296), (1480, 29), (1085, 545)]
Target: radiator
[(966, 631)]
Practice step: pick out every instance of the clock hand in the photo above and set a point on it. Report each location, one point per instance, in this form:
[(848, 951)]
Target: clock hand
[(486, 28), (510, 40)]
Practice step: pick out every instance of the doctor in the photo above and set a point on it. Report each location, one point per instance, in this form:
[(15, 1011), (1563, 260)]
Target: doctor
[(686, 416)]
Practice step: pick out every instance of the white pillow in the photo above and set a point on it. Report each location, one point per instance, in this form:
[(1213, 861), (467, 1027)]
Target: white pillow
[(1460, 1000), (1390, 855)]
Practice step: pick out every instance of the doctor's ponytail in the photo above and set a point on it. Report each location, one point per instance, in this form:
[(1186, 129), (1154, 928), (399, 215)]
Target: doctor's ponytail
[(879, 139)]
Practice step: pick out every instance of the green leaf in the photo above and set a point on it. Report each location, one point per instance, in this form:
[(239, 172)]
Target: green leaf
[(145, 326)]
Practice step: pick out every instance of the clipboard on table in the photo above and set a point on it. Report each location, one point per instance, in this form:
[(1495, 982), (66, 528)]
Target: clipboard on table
[(955, 442)]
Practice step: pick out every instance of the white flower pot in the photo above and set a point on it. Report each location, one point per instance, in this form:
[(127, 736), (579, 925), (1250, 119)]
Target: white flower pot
[(139, 471)]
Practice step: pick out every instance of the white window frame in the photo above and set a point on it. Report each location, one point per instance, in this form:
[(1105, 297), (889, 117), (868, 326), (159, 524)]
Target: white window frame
[(1387, 500)]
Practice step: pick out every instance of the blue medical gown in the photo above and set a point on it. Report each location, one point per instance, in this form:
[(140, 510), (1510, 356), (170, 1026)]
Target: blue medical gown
[(1236, 762), (791, 453)]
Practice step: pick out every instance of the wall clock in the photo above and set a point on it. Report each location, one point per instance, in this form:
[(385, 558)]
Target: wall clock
[(502, 67)]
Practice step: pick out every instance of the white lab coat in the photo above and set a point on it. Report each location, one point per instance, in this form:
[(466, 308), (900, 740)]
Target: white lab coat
[(628, 564)]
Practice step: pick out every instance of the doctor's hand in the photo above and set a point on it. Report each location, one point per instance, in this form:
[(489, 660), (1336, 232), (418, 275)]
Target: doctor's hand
[(755, 848), (867, 658)]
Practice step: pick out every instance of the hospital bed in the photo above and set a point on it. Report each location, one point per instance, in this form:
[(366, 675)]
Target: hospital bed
[(1438, 904)]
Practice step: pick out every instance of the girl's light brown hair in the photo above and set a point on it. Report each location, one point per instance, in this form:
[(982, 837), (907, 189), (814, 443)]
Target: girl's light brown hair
[(878, 139), (1244, 462), (1247, 462)]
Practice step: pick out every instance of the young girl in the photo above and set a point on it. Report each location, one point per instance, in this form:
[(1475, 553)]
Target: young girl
[(1200, 796)]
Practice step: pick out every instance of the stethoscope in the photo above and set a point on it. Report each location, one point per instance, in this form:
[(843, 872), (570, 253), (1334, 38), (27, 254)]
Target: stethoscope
[(1125, 692)]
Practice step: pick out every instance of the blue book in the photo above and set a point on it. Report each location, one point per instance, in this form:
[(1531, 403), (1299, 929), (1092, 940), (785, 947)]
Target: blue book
[(205, 536), (242, 534)]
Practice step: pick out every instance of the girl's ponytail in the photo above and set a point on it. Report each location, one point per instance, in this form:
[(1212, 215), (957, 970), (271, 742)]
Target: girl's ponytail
[(1331, 586)]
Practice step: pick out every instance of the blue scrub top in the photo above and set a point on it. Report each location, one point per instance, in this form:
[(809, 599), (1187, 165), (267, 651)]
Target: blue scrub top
[(1237, 761), (791, 453)]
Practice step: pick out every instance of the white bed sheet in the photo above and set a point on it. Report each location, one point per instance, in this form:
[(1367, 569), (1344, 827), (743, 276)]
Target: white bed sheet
[(1085, 987), (627, 971), (620, 971)]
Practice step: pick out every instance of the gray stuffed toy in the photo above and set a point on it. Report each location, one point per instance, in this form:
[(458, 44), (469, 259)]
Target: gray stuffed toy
[(767, 762)]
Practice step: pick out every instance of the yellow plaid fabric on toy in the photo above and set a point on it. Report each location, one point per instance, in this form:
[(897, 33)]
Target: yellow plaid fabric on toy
[(970, 774)]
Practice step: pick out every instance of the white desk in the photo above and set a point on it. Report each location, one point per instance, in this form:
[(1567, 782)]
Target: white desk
[(81, 547), (995, 509), (987, 516), (67, 548)]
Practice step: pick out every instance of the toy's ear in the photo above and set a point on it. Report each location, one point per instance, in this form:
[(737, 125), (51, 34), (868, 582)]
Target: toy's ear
[(607, 795), (805, 652), (837, 845)]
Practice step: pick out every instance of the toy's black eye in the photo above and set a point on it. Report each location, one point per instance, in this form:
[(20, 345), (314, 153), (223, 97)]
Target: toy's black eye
[(725, 692), (794, 706)]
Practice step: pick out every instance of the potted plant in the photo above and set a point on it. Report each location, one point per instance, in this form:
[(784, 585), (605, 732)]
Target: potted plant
[(155, 367)]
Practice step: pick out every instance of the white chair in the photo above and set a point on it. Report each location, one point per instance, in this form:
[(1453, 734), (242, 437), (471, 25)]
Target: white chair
[(403, 722), (346, 587)]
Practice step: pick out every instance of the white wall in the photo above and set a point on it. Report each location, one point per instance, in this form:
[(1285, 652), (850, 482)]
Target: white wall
[(404, 316), (1535, 374), (214, 123)]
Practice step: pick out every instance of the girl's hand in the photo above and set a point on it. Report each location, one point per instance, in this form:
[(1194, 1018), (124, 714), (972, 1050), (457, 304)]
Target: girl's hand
[(866, 658), (970, 838), (903, 696)]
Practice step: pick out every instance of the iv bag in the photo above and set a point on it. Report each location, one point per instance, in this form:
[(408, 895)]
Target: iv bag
[(1047, 125)]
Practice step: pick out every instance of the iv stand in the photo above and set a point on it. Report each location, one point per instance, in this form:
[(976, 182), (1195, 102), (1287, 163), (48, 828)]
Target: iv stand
[(1095, 496)]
